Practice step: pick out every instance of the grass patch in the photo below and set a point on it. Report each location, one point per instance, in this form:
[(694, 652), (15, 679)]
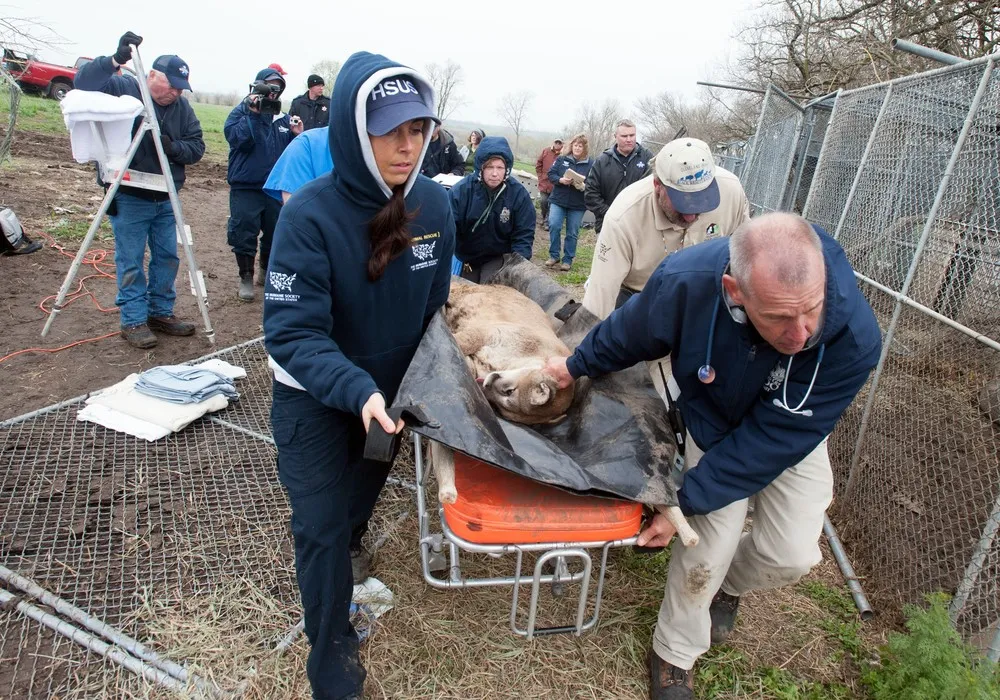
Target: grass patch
[(582, 262), (66, 230), (842, 623), (35, 113), (213, 122), (726, 673), (522, 165)]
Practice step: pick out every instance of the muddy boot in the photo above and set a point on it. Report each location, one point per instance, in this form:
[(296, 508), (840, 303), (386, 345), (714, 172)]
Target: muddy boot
[(668, 682), (245, 263), (139, 336)]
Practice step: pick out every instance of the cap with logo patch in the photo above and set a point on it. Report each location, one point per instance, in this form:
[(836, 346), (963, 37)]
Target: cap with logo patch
[(176, 70), (394, 101), (687, 169)]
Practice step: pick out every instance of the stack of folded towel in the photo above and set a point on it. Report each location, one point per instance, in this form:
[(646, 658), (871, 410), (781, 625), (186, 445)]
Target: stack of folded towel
[(163, 400)]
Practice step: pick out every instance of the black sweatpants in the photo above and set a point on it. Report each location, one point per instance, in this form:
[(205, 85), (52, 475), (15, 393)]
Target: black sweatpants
[(332, 491), (252, 213)]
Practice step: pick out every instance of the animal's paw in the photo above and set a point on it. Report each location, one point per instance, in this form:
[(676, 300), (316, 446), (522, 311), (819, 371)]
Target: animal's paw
[(447, 494)]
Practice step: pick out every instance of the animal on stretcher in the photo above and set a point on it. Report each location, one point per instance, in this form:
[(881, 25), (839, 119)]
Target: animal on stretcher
[(506, 339)]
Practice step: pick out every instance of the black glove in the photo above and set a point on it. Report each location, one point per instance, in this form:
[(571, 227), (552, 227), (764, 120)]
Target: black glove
[(168, 145), (124, 53)]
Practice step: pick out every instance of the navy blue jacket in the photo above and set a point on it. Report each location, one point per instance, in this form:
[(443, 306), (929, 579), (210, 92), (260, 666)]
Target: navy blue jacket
[(567, 196), (443, 157), (177, 121), (488, 224), (256, 141), (340, 336), (748, 440)]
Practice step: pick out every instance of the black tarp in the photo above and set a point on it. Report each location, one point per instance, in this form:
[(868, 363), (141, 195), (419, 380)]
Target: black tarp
[(616, 439)]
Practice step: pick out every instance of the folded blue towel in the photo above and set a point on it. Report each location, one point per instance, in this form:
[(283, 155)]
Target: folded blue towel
[(183, 384)]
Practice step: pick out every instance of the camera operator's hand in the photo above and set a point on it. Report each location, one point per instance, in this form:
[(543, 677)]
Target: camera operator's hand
[(124, 53), (253, 102), (295, 122), (168, 145)]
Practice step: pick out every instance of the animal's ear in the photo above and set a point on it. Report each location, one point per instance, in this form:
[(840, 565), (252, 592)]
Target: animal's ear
[(541, 394)]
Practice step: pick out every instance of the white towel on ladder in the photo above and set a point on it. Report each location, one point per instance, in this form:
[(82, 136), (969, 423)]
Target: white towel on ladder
[(84, 110)]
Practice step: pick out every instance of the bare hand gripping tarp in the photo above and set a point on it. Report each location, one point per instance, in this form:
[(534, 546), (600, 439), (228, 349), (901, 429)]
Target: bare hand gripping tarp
[(615, 441)]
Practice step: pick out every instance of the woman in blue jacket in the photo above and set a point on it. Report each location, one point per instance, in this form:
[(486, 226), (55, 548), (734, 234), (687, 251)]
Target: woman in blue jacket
[(360, 264), (566, 201)]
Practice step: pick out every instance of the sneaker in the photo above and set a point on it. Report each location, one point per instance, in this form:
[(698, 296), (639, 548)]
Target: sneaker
[(139, 336), (246, 292), (170, 325), (565, 267), (668, 682), (361, 563), (723, 611), (551, 262)]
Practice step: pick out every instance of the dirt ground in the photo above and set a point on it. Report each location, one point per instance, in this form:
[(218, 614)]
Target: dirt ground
[(47, 185)]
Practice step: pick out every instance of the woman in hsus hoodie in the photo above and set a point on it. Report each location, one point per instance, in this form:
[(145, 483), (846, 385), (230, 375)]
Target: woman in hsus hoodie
[(360, 264)]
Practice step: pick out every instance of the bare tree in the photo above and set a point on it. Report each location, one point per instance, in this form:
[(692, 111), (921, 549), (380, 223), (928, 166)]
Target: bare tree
[(813, 47), (446, 79), (664, 115), (598, 122), (512, 109), (27, 34), (328, 70)]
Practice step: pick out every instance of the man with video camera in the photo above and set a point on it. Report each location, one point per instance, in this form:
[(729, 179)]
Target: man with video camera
[(257, 133)]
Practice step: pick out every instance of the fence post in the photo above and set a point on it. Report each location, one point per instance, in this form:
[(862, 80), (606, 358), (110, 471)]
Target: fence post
[(864, 160), (975, 566), (917, 254), (748, 159)]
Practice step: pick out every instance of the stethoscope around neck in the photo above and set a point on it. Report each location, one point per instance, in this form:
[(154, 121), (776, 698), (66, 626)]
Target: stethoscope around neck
[(706, 373)]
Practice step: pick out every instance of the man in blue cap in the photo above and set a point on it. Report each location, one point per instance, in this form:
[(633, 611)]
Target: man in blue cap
[(256, 140), (141, 217)]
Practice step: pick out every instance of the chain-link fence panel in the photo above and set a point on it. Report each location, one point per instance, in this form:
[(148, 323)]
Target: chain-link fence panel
[(767, 170), (917, 455), (816, 119), (111, 523), (731, 155), (851, 124)]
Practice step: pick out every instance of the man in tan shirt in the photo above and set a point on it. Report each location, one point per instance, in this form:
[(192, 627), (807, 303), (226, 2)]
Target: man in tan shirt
[(688, 200)]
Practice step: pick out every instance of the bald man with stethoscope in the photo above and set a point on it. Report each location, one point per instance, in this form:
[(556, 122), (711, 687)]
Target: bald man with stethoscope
[(769, 340)]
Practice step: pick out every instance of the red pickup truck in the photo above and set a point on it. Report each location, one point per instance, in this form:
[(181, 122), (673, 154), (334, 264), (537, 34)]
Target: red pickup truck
[(47, 78)]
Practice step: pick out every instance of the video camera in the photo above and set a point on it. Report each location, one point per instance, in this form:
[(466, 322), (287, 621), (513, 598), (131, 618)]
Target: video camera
[(270, 102)]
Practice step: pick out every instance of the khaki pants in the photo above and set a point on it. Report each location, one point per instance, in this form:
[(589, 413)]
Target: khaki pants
[(781, 547)]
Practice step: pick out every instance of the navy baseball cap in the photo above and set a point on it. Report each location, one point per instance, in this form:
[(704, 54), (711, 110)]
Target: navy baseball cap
[(394, 101), (176, 70)]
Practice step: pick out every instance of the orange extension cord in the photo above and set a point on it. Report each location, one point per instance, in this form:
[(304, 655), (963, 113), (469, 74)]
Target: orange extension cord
[(96, 258)]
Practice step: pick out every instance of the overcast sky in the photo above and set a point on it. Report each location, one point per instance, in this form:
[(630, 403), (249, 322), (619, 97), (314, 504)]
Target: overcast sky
[(626, 51)]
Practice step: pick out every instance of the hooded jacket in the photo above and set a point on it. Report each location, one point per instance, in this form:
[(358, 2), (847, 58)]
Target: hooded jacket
[(443, 157), (314, 113), (748, 439), (177, 121), (612, 172), (255, 141), (567, 196), (488, 224), (327, 328)]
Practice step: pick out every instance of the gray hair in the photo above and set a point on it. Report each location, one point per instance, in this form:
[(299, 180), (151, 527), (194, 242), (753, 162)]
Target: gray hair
[(790, 247), (625, 122)]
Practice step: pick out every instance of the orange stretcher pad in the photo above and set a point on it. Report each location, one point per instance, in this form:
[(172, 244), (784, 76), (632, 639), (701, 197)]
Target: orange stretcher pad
[(496, 506)]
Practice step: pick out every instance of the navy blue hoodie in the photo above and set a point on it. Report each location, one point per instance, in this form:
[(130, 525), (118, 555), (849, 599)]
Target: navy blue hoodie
[(327, 328), (748, 440), (256, 141), (567, 196), (177, 121), (487, 223)]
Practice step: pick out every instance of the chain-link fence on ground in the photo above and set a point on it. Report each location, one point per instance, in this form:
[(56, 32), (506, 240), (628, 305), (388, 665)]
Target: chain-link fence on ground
[(909, 183), (115, 525), (768, 167)]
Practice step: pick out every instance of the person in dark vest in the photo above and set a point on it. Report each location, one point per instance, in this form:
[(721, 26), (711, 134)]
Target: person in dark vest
[(312, 106)]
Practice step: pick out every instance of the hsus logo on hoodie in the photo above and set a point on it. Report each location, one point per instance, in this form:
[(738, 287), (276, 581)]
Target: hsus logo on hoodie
[(423, 250)]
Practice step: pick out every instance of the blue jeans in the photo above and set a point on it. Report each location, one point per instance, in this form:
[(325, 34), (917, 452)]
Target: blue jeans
[(332, 490), (138, 223), (573, 219)]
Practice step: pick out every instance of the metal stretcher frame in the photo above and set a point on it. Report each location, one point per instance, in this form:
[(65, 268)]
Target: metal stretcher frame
[(445, 547)]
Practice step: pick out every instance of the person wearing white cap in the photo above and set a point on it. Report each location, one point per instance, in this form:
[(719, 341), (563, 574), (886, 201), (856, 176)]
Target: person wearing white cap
[(688, 199)]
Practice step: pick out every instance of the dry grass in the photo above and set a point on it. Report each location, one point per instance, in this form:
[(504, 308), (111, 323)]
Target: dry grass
[(457, 644)]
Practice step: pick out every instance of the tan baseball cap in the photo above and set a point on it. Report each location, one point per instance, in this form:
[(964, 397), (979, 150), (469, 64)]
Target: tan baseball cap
[(687, 169)]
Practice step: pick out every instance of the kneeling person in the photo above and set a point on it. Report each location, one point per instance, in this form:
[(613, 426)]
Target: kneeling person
[(493, 213)]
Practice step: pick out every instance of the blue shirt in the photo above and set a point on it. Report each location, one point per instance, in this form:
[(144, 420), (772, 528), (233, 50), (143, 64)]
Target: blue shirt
[(306, 158)]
